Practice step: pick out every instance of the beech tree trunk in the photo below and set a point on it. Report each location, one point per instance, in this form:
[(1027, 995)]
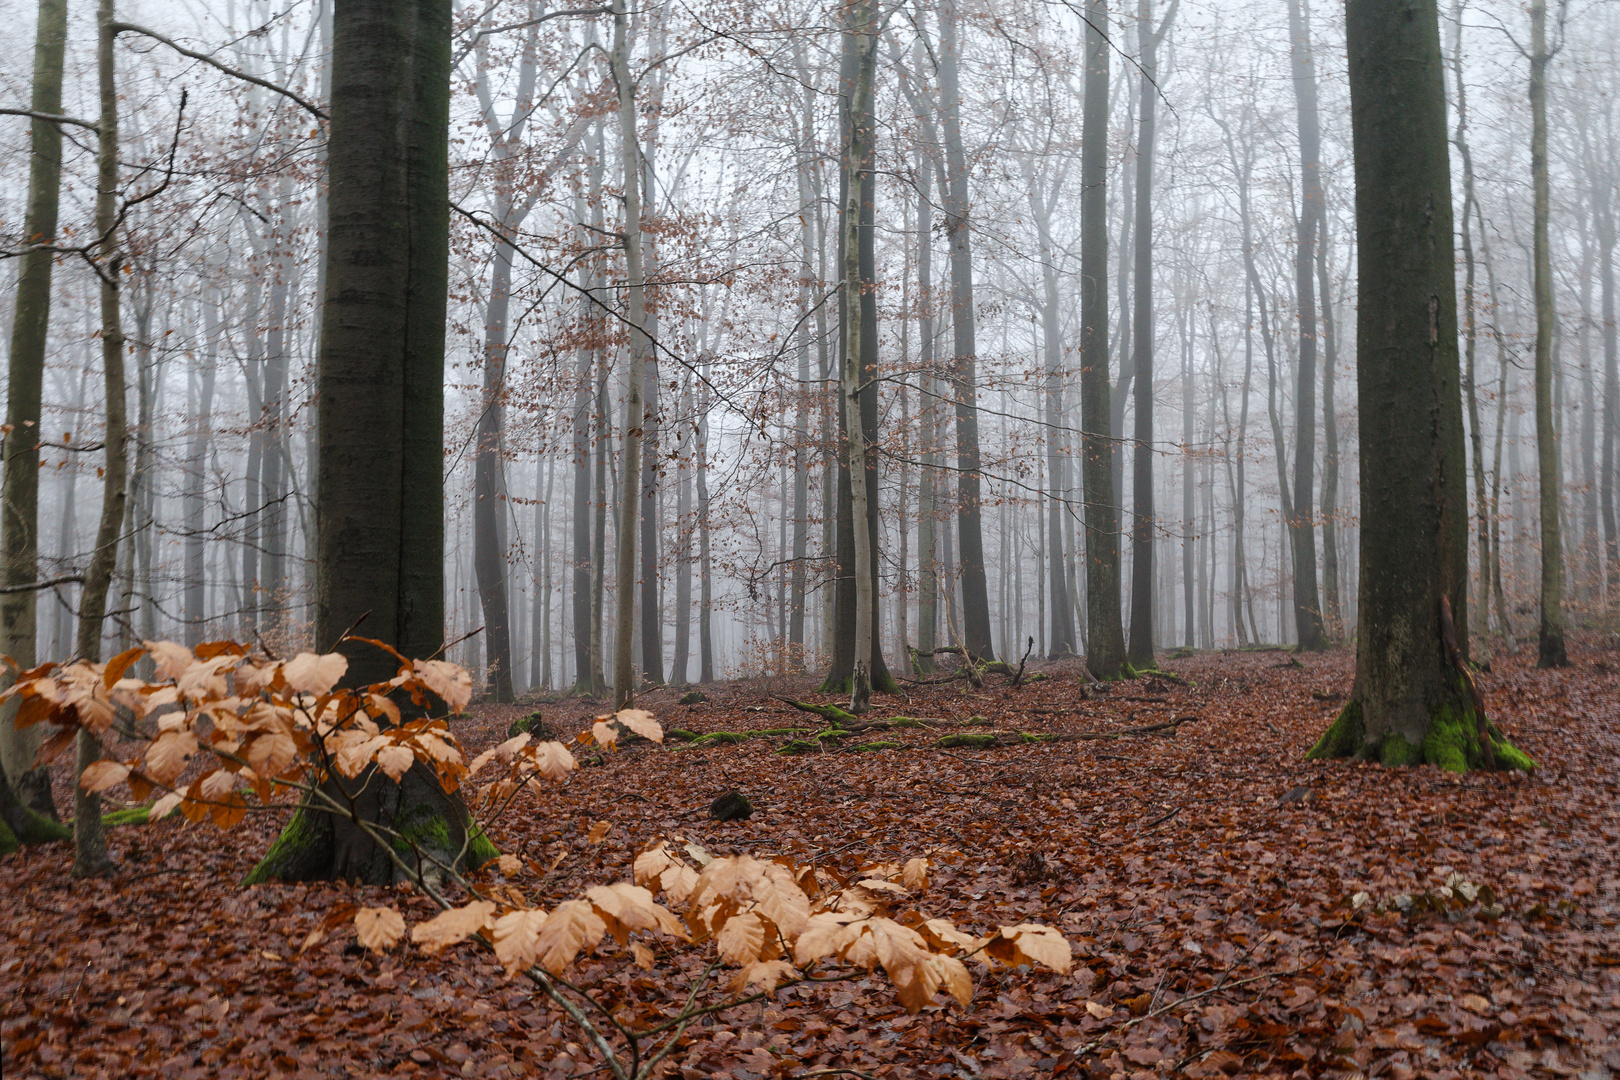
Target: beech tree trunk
[(1301, 529), (975, 586), (19, 497), (1551, 652), (1105, 652), (380, 544), (1413, 700)]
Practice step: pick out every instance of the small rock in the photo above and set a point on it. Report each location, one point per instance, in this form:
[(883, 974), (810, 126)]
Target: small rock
[(693, 697)]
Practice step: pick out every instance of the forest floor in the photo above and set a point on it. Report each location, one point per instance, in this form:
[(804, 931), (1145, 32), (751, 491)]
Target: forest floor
[(1203, 874)]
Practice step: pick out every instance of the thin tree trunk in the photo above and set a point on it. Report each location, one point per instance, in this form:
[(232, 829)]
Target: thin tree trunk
[(1140, 648), (1332, 605), (1301, 529), (1551, 652), (975, 590), (624, 674), (19, 499), (89, 841)]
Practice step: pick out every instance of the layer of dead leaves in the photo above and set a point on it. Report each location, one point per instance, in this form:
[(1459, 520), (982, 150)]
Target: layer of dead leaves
[(1214, 922)]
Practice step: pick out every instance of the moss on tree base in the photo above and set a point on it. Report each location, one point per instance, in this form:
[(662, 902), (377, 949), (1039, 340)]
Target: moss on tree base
[(1452, 743)]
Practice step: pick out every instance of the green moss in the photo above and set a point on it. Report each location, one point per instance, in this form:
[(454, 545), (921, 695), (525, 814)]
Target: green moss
[(681, 734), (693, 697), (864, 748), (906, 722), (531, 724), (133, 815), (799, 746), (298, 834), (8, 839), (1396, 751), (1509, 756), (976, 740), (834, 686), (1039, 676), (1034, 737), (833, 734), (480, 849), (1343, 737), (722, 737), (1452, 741), (978, 721)]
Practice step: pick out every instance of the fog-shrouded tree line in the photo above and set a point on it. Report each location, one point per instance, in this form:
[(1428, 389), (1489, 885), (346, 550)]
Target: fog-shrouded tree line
[(796, 338)]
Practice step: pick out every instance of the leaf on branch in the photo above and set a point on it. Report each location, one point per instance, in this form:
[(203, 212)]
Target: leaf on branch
[(449, 927), (269, 754), (166, 758), (171, 658), (632, 908), (164, 806), (120, 664), (550, 759), (606, 736), (395, 760), (517, 938), (379, 929), (308, 673), (101, 775), (741, 939), (762, 975), (450, 682), (572, 926)]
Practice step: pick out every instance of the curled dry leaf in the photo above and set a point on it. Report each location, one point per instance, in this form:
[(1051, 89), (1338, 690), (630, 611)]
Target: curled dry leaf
[(308, 673), (379, 929), (452, 926), (598, 831), (1030, 943), (915, 874), (163, 807), (101, 775), (509, 865), (641, 722), (605, 735), (450, 682)]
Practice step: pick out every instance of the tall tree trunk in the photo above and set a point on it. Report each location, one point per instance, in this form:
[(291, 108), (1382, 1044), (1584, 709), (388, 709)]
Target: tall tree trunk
[(380, 517), (19, 499), (1411, 701), (1604, 215), (1105, 653), (585, 674), (1140, 649), (1189, 537), (928, 439), (1551, 652), (89, 842), (1062, 618), (624, 673), (683, 552), (196, 499), (705, 582), (975, 589), (1301, 529), (1332, 605)]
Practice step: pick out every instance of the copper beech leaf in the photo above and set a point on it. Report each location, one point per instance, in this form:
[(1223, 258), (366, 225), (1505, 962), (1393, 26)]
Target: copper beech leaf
[(641, 722), (452, 926), (308, 673), (101, 775), (379, 929), (517, 938)]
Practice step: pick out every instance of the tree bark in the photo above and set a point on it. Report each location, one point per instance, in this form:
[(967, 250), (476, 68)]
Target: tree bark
[(1301, 529), (380, 545), (1140, 648), (1105, 653), (1551, 652), (1413, 699), (624, 673), (975, 588), (19, 498)]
